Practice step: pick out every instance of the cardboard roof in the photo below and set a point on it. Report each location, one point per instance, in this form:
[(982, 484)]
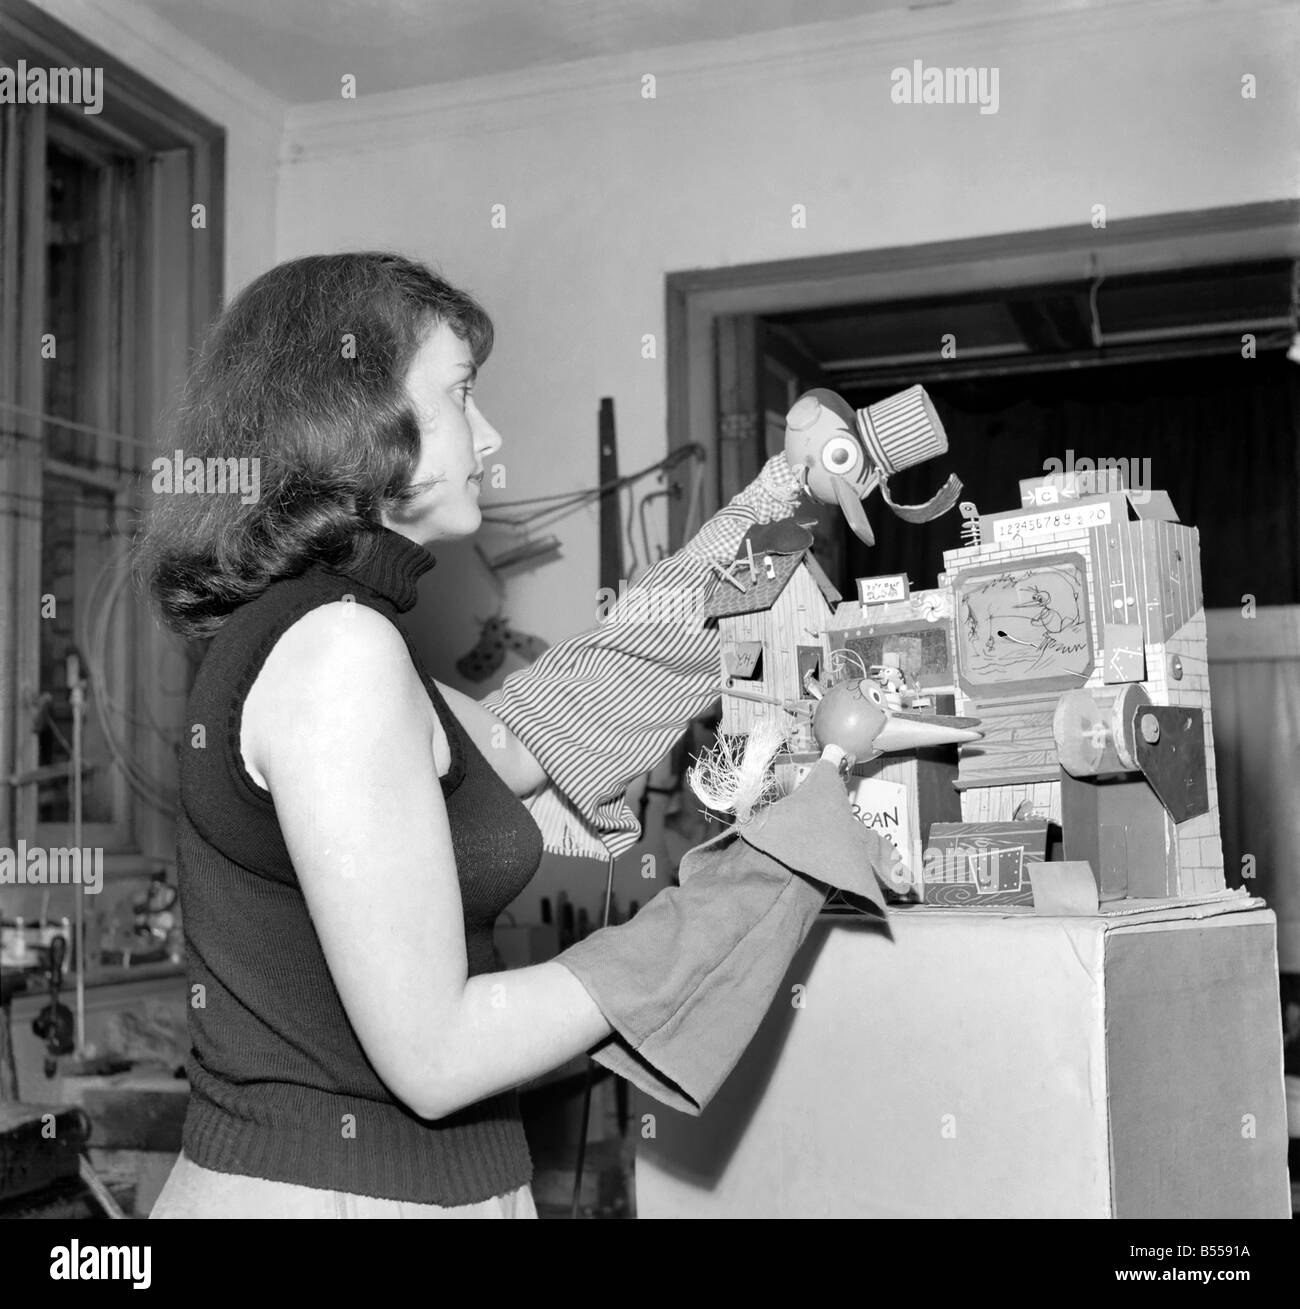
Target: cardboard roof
[(725, 600)]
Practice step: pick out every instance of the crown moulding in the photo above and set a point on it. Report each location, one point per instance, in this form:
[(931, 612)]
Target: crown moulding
[(849, 51)]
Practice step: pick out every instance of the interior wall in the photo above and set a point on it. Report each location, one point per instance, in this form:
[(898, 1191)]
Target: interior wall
[(1137, 107)]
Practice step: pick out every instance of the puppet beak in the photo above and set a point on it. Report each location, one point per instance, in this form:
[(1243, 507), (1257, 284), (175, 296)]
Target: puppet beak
[(853, 510), (911, 731)]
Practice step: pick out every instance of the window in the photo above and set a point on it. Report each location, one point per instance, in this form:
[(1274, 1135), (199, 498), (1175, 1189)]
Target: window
[(108, 281)]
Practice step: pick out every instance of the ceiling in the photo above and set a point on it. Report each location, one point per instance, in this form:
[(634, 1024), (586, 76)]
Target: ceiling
[(1201, 310), (298, 49)]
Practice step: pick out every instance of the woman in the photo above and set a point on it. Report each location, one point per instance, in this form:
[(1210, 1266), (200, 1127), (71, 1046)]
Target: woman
[(349, 829)]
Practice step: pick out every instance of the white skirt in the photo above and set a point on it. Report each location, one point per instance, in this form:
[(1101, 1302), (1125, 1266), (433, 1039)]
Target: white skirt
[(195, 1192)]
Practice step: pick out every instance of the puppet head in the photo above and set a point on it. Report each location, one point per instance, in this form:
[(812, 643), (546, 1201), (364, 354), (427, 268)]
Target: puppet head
[(842, 455)]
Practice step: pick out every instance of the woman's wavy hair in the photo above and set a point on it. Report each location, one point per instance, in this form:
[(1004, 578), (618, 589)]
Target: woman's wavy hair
[(305, 371)]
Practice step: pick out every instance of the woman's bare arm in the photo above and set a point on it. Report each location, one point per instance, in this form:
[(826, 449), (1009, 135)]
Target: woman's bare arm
[(510, 758), (346, 744)]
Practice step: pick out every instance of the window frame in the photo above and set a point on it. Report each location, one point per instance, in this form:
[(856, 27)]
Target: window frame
[(170, 290)]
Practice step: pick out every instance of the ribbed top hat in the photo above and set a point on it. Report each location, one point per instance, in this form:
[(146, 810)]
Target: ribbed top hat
[(902, 430)]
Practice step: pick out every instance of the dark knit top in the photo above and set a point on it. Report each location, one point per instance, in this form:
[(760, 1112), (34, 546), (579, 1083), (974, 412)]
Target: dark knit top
[(280, 1086)]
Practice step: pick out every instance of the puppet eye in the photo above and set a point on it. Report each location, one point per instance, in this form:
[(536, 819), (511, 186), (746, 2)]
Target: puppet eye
[(839, 455)]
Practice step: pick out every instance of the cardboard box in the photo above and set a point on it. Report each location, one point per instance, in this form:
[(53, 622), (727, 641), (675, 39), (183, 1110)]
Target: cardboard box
[(998, 1064), (982, 863)]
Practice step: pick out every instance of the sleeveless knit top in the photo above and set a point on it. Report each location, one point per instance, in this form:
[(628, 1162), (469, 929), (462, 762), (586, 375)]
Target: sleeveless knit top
[(280, 1086)]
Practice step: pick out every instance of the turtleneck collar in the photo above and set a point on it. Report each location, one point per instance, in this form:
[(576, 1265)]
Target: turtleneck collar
[(390, 565)]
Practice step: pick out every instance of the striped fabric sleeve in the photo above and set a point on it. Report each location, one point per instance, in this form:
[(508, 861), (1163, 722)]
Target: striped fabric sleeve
[(602, 708)]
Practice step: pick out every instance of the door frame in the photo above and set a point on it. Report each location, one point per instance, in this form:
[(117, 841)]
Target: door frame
[(696, 300)]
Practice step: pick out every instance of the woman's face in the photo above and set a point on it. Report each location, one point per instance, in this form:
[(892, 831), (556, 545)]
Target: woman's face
[(455, 439)]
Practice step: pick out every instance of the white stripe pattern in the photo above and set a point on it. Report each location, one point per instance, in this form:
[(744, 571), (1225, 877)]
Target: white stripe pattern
[(899, 432), (602, 708)]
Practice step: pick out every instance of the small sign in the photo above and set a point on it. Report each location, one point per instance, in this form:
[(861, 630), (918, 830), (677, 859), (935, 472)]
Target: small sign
[(886, 808), (881, 590), (982, 863), (745, 657), (1041, 492), (1018, 528)]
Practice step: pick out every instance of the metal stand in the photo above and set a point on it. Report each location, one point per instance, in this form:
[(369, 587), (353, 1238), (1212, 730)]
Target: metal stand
[(77, 698)]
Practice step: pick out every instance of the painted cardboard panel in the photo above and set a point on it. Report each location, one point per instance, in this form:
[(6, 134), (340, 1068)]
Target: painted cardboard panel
[(811, 658), (1014, 802), (1153, 505), (1120, 827), (1017, 529), (1170, 562), (1111, 869), (1022, 628), (888, 809), (1118, 583), (982, 863), (1123, 655), (744, 659), (1053, 488), (922, 649), (1017, 746), (1174, 763)]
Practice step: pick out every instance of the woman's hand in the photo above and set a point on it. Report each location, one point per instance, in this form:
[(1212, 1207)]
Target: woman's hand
[(346, 745), (774, 494)]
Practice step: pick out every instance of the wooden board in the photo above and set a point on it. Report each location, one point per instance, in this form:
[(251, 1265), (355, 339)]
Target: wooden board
[(1017, 747), (1170, 557)]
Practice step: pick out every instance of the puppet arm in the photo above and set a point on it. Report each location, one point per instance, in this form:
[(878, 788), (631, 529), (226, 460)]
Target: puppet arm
[(600, 709), (686, 982)]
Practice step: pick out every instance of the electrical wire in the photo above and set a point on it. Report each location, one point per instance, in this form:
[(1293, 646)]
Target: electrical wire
[(645, 532), (91, 635), (115, 586), (89, 429), (670, 460), (564, 502), (631, 563), (545, 509), (92, 638), (692, 525)]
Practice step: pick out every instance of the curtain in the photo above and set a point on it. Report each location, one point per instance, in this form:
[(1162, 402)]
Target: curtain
[(1255, 702), (1222, 435)]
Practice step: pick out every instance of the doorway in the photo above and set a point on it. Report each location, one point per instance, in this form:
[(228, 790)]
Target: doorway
[(1163, 339)]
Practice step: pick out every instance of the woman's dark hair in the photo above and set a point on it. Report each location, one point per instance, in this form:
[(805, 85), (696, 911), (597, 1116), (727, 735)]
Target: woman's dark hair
[(305, 372)]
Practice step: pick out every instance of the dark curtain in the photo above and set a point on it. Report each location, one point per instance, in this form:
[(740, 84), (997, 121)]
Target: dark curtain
[(1222, 435)]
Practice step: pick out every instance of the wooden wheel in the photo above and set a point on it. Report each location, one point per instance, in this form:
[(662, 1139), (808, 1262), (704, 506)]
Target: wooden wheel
[(1082, 732)]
